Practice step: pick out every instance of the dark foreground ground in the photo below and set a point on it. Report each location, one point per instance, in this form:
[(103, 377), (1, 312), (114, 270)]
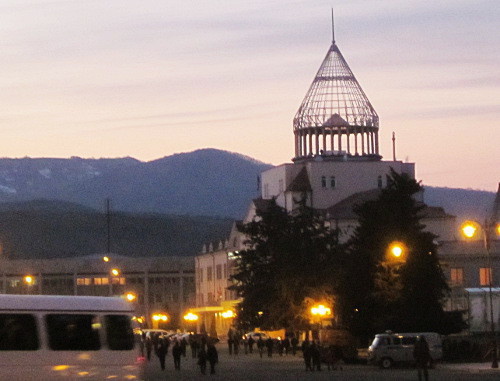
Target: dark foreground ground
[(252, 367)]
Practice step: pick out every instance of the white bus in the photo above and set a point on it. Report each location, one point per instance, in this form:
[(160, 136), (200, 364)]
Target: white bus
[(46, 337)]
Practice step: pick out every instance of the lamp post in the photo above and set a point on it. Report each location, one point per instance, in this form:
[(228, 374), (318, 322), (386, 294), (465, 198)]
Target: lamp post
[(469, 230)]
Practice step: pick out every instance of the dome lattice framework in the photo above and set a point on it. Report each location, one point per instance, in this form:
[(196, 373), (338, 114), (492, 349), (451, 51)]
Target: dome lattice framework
[(336, 119)]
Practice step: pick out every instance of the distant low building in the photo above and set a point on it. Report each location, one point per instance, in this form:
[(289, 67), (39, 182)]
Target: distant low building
[(160, 284)]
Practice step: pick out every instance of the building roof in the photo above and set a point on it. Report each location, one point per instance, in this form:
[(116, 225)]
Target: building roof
[(345, 208), (301, 182), (335, 97), (93, 264)]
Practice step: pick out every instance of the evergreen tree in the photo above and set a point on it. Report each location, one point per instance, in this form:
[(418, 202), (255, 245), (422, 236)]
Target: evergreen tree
[(378, 293), (290, 259)]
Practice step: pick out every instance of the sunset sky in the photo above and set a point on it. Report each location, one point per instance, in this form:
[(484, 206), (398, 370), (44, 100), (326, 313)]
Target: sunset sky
[(150, 78)]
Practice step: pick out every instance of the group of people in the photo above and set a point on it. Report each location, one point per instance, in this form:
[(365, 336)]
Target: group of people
[(282, 346), (202, 348), (314, 354)]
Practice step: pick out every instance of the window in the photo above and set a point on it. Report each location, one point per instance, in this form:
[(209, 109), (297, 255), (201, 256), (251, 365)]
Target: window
[(379, 182), (209, 274), (218, 271), (18, 332), (323, 181), (225, 271), (83, 281), (68, 332), (457, 276), (333, 182), (121, 280), (119, 333), (266, 190), (484, 276), (200, 275), (101, 281), (280, 185), (408, 340)]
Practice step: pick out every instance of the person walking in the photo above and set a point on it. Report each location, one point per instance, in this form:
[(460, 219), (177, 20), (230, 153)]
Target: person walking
[(176, 354), (295, 343), (422, 357), (193, 344), (316, 356), (230, 335), (306, 352), (149, 346), (236, 344), (269, 346), (260, 346), (251, 342), (161, 351), (286, 345), (212, 356), (202, 360)]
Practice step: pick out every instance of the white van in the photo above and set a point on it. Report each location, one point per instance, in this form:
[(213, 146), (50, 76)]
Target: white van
[(389, 348), (46, 337)]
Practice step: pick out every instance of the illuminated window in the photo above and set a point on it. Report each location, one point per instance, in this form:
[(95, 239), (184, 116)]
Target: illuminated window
[(484, 276), (117, 280), (83, 281), (101, 281), (457, 276)]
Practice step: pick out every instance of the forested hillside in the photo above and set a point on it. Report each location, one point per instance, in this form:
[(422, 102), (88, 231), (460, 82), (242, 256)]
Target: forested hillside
[(49, 229)]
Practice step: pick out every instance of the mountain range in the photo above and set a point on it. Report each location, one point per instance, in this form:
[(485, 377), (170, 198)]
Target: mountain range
[(206, 182), (170, 206)]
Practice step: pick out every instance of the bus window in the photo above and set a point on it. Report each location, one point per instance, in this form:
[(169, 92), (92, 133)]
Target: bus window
[(119, 333), (68, 332), (18, 332)]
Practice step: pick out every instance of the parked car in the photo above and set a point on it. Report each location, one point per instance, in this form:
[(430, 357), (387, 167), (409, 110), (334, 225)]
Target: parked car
[(390, 348), (256, 335)]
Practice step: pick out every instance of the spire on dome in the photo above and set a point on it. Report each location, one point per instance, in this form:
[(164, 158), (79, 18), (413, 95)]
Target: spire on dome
[(336, 116)]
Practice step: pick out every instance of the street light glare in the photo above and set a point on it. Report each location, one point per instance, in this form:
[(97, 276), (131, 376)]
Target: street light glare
[(190, 317), (130, 296), (320, 310), (28, 279), (397, 251), (469, 229)]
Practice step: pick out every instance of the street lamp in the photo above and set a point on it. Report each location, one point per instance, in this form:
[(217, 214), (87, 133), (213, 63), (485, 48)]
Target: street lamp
[(469, 230), (396, 251)]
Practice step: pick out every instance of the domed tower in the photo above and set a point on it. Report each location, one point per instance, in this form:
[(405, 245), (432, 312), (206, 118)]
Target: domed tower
[(336, 119)]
